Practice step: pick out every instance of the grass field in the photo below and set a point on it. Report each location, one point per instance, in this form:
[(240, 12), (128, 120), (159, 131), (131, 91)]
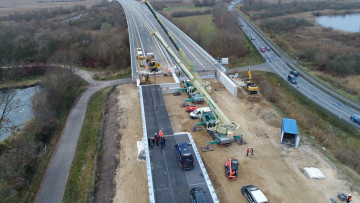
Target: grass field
[(325, 130), (316, 47), (21, 6), (185, 8), (80, 186), (208, 31)]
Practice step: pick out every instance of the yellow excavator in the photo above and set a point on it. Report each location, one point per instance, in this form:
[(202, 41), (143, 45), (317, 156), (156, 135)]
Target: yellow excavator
[(250, 87), (150, 60)]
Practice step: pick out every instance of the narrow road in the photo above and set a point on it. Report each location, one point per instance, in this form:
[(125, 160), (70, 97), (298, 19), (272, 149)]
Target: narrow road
[(53, 184)]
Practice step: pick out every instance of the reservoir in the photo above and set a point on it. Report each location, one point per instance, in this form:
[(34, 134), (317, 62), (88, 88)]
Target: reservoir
[(347, 23), (21, 114)]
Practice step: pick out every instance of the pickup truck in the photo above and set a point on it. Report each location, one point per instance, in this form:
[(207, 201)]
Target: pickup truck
[(197, 112)]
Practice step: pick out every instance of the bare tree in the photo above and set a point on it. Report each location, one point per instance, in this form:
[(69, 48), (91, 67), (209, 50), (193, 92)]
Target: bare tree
[(8, 104)]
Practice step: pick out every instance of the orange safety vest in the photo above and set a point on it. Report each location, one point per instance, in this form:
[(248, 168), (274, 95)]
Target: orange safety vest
[(161, 134)]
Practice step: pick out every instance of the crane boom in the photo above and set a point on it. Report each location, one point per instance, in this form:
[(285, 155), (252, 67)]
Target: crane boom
[(224, 125), (172, 39), (195, 82)]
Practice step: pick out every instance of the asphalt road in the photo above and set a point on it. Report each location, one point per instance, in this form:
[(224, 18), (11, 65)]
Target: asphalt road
[(141, 23), (53, 184), (170, 182), (279, 65)]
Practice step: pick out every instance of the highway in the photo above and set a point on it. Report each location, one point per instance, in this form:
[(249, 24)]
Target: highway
[(279, 65), (140, 25), (141, 22)]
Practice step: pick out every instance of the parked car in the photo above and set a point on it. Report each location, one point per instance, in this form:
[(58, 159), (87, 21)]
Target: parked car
[(198, 195), (267, 48), (355, 118), (292, 79), (253, 194), (184, 155), (197, 112), (252, 38), (139, 53), (262, 49), (294, 73)]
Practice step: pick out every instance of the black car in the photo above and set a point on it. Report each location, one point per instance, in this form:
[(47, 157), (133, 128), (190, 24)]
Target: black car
[(253, 194), (198, 195), (184, 155), (292, 79), (294, 73), (267, 48)]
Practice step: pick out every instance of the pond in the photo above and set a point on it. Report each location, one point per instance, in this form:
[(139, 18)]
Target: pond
[(24, 112), (347, 23)]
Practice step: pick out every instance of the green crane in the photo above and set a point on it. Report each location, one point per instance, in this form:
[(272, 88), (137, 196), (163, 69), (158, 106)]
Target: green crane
[(217, 124)]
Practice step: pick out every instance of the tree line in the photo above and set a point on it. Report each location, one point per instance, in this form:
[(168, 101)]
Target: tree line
[(98, 39)]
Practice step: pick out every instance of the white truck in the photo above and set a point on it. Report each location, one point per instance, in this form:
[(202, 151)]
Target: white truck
[(197, 112)]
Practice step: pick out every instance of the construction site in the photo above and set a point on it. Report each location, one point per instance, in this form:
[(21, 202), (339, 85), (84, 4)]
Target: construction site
[(231, 117)]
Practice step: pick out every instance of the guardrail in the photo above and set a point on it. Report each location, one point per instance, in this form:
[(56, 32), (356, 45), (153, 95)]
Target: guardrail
[(147, 151), (316, 81), (133, 68)]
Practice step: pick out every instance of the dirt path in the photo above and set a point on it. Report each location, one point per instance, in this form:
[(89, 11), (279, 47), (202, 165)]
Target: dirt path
[(109, 147), (131, 178), (275, 168)]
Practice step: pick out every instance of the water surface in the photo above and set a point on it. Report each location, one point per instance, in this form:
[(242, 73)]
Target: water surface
[(23, 113), (347, 23)]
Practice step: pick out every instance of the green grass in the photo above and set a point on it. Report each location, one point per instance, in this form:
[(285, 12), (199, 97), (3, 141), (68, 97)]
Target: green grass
[(204, 24), (209, 30), (30, 195), (27, 82), (105, 77), (254, 57), (342, 92), (314, 123), (169, 10), (80, 186)]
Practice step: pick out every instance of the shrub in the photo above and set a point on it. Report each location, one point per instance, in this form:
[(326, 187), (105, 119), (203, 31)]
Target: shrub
[(285, 25)]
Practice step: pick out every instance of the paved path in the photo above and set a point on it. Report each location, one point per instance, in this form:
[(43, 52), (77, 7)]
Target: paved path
[(53, 184), (261, 67)]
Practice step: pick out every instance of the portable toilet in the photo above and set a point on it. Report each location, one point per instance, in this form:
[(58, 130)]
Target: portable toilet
[(289, 133)]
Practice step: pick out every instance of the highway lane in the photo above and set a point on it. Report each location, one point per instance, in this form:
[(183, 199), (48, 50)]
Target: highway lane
[(304, 87), (142, 15), (203, 61)]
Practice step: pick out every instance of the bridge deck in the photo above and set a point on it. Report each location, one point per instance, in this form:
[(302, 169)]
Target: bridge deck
[(170, 182)]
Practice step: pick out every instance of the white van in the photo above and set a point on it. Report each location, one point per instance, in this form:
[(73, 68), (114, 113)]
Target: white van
[(197, 112)]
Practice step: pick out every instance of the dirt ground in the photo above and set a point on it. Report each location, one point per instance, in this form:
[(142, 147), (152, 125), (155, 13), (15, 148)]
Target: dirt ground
[(275, 168), (131, 178), (21, 6), (109, 147)]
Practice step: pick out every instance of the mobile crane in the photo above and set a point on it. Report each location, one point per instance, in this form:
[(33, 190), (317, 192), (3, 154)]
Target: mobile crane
[(220, 128)]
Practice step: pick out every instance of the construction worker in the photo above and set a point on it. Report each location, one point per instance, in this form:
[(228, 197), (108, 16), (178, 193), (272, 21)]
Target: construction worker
[(348, 199), (156, 137), (162, 143), (247, 151), (161, 133), (151, 142), (252, 151)]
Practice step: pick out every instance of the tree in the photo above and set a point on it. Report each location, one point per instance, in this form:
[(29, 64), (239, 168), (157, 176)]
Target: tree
[(8, 104)]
